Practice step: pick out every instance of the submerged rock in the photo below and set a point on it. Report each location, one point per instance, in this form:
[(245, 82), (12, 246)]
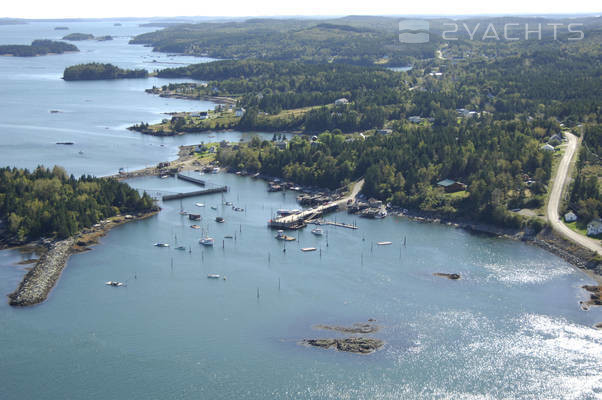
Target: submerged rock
[(448, 276), (356, 328), (352, 345)]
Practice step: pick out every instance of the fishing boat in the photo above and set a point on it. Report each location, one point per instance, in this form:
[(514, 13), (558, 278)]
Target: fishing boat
[(317, 231), (195, 226), (181, 248), (199, 204), (306, 249), (213, 276), (282, 236), (220, 220), (206, 241), (384, 243), (162, 244), (113, 283)]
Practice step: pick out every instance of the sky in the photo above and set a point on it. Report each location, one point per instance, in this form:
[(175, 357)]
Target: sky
[(162, 8)]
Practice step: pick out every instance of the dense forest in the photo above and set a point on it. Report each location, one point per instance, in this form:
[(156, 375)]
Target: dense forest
[(44, 202), (350, 40), (98, 71), (500, 162), (37, 48), (585, 196)]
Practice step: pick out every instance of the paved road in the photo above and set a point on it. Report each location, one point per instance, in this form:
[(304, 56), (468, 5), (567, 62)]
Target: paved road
[(552, 210)]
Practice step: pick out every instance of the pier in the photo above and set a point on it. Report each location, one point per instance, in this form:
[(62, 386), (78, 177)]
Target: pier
[(190, 179), (333, 223)]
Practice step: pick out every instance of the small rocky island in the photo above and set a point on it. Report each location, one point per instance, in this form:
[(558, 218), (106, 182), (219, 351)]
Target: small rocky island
[(353, 344), (75, 37)]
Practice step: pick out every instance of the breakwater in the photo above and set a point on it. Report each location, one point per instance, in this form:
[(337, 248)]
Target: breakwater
[(39, 281)]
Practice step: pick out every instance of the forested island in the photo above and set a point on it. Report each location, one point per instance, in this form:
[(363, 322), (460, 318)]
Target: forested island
[(78, 36), (37, 48), (49, 203), (100, 71), (75, 37)]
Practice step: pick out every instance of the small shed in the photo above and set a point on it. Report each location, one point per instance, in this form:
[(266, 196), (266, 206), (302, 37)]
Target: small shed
[(451, 186), (570, 217)]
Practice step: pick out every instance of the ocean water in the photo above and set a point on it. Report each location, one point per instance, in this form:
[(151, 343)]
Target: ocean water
[(510, 328)]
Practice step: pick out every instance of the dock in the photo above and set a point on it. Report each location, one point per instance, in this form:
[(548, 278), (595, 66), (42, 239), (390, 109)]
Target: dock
[(176, 196), (332, 223), (190, 179)]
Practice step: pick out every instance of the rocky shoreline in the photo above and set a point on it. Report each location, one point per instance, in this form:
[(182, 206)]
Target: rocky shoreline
[(37, 284)]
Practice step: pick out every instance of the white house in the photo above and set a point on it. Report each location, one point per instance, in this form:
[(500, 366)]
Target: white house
[(570, 217), (341, 102), (239, 112), (594, 228), (548, 147)]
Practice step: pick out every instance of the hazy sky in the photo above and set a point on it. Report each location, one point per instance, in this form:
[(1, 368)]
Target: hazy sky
[(149, 8)]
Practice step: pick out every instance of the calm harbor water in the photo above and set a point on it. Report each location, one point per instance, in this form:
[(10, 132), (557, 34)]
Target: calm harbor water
[(510, 328)]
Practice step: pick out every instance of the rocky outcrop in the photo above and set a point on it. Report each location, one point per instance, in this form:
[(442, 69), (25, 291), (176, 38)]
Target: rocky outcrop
[(353, 344), (39, 281), (355, 328), (448, 276)]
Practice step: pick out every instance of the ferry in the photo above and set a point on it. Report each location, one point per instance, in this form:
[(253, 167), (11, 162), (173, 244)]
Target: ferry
[(162, 244), (206, 241), (282, 236), (317, 231)]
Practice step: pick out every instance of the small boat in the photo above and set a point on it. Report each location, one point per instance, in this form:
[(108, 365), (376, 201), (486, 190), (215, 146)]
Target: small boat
[(164, 176), (380, 215), (214, 207), (284, 213), (384, 243), (215, 170), (238, 209), (317, 231), (194, 217), (220, 220), (199, 204), (213, 276), (282, 236), (161, 244), (227, 203), (65, 143), (228, 237), (308, 249), (206, 241), (113, 283), (195, 226), (181, 248)]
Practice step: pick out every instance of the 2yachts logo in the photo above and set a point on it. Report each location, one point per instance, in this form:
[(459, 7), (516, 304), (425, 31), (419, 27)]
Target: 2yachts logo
[(418, 31)]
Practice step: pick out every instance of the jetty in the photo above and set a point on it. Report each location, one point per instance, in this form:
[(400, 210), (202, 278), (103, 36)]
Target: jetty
[(219, 189), (332, 223), (299, 220)]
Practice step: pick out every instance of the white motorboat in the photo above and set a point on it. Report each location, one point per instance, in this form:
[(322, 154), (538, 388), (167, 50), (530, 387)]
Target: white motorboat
[(199, 204), (317, 231), (206, 241), (113, 283), (213, 276), (161, 244)]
